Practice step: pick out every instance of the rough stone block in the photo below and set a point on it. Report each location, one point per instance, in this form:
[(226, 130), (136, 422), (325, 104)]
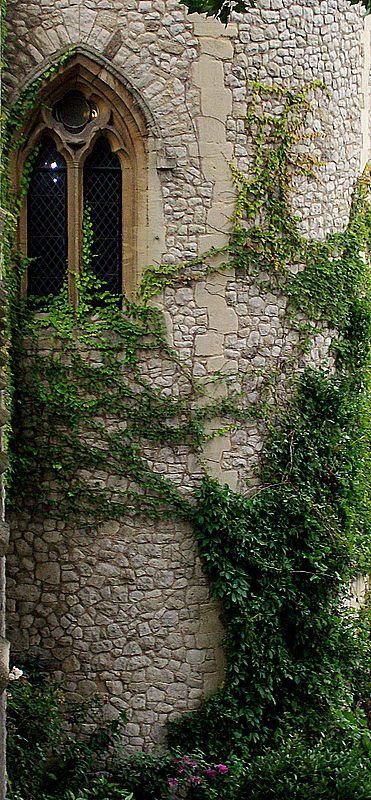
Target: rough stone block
[(49, 572)]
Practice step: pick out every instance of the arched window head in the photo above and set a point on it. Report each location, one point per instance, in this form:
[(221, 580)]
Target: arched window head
[(91, 143), (47, 234)]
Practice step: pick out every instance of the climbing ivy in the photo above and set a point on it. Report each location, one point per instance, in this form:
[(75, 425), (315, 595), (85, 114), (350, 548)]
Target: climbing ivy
[(281, 560), (93, 372)]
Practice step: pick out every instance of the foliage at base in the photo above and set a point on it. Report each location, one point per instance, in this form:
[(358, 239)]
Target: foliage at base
[(53, 745), (49, 760)]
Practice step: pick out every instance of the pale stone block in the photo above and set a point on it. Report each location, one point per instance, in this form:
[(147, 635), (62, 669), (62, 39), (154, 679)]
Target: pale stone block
[(201, 295), (107, 19), (216, 99), (217, 239), (99, 38), (218, 282), (220, 214), (209, 344), (222, 318), (36, 54), (216, 363), (217, 48), (213, 449), (211, 130), (70, 18), (87, 20), (44, 41), (230, 476)]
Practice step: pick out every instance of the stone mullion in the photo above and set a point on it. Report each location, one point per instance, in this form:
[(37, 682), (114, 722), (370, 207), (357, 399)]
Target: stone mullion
[(74, 218)]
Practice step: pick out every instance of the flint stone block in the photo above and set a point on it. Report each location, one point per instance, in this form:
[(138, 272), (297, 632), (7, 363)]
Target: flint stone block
[(49, 572)]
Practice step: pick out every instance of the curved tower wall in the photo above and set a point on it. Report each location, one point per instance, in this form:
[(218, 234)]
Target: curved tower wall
[(129, 612)]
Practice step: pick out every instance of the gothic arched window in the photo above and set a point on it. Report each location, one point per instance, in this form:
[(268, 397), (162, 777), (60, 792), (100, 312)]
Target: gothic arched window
[(91, 154), (62, 188)]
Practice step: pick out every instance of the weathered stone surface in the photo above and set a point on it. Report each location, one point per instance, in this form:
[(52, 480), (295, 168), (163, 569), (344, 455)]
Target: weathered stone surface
[(49, 572), (101, 644), (128, 610)]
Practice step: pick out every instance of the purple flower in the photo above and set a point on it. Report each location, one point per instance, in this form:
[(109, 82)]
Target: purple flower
[(196, 779), (172, 782), (210, 773), (222, 769)]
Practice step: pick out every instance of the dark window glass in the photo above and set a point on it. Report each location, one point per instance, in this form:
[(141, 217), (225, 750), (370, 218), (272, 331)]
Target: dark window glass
[(103, 195), (47, 221)]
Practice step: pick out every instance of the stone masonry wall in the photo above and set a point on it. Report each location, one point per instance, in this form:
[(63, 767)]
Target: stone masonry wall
[(128, 611), (192, 73)]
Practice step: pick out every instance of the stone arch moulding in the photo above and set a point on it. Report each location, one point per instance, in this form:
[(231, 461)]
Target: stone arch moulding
[(132, 131), (95, 62)]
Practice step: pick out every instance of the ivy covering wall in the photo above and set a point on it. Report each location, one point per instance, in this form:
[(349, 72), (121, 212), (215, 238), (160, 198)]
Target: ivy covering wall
[(281, 561)]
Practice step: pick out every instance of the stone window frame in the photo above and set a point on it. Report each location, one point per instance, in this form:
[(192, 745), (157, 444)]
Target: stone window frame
[(120, 120)]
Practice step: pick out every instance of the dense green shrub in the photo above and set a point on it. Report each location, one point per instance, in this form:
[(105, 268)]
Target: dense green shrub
[(296, 766), (101, 788), (326, 771), (146, 775), (48, 754)]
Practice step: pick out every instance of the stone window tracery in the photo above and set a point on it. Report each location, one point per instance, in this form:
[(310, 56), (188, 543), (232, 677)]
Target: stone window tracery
[(91, 151)]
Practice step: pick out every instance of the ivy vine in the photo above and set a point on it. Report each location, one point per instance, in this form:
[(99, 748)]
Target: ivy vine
[(279, 561)]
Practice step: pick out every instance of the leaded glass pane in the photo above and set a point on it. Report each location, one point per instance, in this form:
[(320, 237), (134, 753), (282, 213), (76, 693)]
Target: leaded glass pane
[(103, 195), (47, 221)]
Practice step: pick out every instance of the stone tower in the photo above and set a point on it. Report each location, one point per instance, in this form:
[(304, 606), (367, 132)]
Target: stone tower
[(128, 612)]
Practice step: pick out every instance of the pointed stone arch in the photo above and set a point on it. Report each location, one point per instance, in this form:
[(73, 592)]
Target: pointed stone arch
[(128, 123), (95, 64)]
